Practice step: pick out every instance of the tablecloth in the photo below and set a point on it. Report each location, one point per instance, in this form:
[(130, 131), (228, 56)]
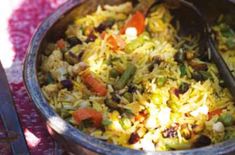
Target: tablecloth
[(25, 16)]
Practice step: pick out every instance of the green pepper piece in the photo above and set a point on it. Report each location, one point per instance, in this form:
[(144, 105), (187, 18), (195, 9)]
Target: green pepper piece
[(226, 119)]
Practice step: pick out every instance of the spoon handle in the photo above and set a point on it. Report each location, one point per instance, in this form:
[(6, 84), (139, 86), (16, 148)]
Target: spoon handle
[(144, 6), (223, 68)]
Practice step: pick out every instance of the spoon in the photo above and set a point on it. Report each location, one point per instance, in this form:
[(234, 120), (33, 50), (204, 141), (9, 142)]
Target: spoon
[(192, 22)]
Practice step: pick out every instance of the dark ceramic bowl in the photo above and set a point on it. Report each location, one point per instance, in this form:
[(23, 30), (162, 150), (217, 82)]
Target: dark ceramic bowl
[(68, 136)]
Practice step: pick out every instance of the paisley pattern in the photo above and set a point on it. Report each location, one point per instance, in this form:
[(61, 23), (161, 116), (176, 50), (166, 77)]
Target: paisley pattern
[(22, 24)]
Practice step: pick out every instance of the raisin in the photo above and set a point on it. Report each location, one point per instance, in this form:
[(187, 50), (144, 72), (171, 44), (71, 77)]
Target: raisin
[(132, 88), (115, 98), (201, 141), (106, 24), (91, 38), (183, 88), (134, 138), (67, 84)]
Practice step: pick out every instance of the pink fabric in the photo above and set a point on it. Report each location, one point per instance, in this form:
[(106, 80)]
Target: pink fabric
[(21, 26)]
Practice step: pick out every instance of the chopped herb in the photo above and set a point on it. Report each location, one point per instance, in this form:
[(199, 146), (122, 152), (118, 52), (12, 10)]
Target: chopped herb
[(183, 71)]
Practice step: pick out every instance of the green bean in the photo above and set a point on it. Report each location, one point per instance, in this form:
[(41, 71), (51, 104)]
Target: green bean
[(126, 76)]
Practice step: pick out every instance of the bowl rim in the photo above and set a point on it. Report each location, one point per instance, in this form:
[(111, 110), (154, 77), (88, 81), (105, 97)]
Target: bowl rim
[(68, 131)]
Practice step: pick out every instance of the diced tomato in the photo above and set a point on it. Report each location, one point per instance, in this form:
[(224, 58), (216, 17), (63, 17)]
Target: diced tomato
[(94, 84), (214, 112), (113, 42), (61, 43), (137, 21), (88, 113), (141, 116)]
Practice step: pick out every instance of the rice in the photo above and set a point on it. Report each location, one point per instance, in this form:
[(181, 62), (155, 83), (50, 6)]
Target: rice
[(150, 93)]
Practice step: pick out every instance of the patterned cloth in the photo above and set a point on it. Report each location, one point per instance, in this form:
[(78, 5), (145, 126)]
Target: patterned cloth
[(21, 26)]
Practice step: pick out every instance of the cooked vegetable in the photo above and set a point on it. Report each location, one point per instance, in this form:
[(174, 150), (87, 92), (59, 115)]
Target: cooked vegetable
[(126, 76), (227, 119), (93, 83), (214, 112), (137, 21), (183, 71), (112, 42), (88, 113)]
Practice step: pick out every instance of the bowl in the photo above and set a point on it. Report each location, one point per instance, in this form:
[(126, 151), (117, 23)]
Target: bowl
[(69, 137)]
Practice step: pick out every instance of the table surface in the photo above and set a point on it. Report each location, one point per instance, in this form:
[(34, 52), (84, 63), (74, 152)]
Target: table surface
[(19, 19)]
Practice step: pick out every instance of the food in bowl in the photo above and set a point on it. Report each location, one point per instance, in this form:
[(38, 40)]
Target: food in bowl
[(133, 81), (225, 37)]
